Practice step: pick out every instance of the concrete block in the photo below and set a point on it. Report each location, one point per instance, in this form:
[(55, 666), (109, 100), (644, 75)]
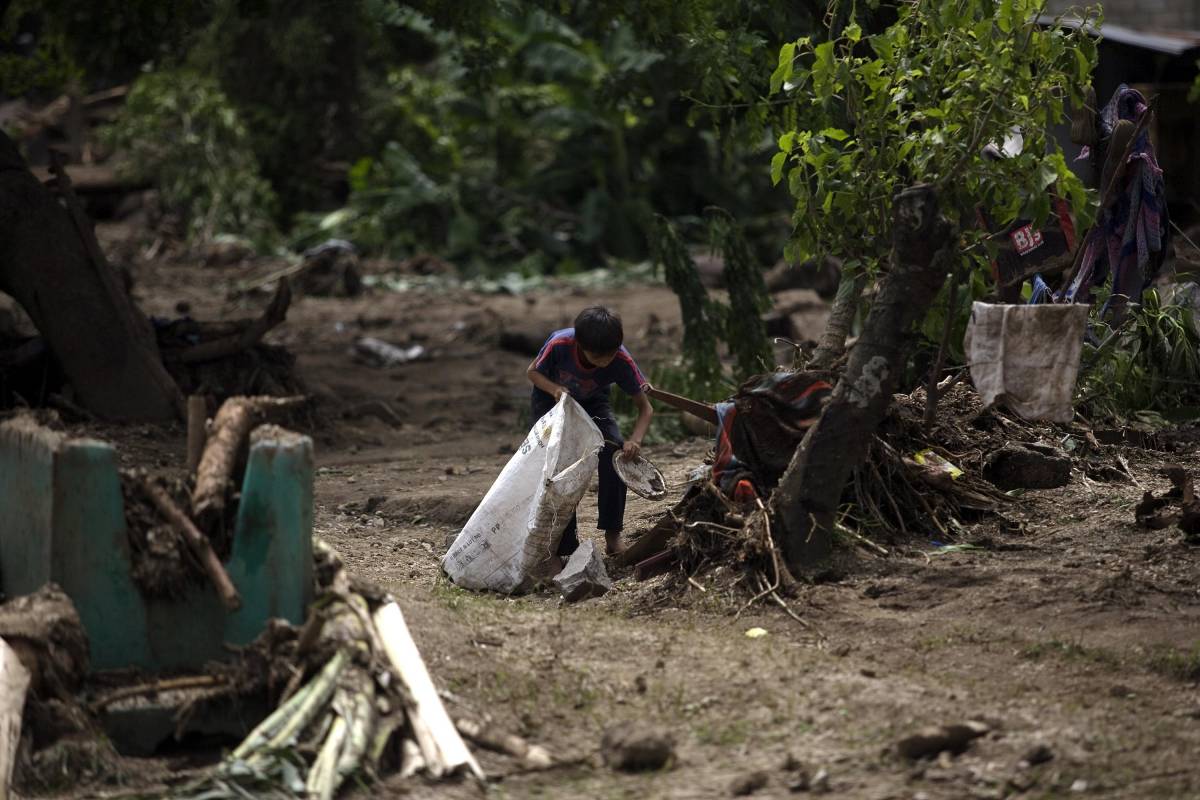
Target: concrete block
[(62, 519), (584, 575)]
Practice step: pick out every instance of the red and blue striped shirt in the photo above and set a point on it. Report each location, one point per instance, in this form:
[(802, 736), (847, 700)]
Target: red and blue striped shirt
[(561, 360)]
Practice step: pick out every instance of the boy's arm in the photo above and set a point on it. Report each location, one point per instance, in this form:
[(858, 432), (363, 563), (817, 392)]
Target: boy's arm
[(542, 382), (633, 445)]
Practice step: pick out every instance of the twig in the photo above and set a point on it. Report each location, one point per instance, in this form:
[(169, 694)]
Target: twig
[(198, 542), (696, 583), (155, 687), (275, 313), (932, 392), (1187, 239)]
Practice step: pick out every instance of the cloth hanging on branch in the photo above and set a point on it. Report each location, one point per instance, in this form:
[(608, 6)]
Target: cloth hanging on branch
[(1128, 241)]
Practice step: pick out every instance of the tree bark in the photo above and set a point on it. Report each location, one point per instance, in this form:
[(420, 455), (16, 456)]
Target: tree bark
[(806, 502), (845, 307), (105, 344)]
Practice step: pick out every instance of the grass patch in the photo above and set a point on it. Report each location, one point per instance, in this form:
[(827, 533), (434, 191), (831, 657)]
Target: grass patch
[(462, 600), (727, 734), (1071, 652), (1177, 663)]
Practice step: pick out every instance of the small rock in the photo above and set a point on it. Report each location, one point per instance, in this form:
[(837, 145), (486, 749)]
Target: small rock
[(820, 782), (1080, 786), (639, 684), (1038, 754), (632, 747), (867, 673), (929, 742), (749, 784), (584, 575)]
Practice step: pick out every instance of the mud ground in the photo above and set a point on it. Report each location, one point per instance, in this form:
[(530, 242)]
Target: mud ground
[(1067, 627)]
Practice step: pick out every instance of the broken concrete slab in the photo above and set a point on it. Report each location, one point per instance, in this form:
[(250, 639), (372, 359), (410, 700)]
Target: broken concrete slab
[(584, 575)]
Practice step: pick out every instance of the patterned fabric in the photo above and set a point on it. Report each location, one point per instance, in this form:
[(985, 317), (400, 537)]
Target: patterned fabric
[(760, 428), (1128, 241)]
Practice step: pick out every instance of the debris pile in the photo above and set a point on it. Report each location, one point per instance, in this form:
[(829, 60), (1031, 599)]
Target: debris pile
[(916, 481), (361, 700), (1177, 507), (349, 690), (228, 358)]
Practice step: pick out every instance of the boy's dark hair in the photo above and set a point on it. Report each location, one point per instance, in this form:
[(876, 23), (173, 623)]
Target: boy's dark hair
[(599, 330)]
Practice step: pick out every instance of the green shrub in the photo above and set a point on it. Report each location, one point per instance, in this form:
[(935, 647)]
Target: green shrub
[(178, 131)]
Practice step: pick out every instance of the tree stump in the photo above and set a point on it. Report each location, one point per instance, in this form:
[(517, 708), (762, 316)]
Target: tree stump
[(105, 344)]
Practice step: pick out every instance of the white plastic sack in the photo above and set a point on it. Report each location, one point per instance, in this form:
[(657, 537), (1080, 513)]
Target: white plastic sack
[(1027, 357), (506, 542)]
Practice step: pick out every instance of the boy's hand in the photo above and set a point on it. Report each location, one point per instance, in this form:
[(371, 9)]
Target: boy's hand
[(631, 450), (559, 391)]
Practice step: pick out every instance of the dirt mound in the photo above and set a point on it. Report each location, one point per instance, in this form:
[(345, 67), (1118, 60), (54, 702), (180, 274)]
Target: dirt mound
[(447, 509)]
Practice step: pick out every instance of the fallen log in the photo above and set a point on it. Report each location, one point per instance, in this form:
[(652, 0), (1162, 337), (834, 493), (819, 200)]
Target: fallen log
[(198, 542), (805, 505), (226, 440), (531, 756), (247, 337), (442, 747)]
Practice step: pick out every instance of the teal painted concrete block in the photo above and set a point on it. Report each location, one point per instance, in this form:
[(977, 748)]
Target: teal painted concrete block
[(62, 519)]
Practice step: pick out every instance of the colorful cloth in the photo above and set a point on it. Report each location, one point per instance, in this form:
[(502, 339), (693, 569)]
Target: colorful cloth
[(760, 428), (561, 361), (1128, 241)]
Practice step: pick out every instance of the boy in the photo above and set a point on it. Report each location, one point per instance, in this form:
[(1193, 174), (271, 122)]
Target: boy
[(584, 362)]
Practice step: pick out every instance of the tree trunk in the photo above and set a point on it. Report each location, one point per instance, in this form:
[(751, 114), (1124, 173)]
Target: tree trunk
[(105, 344), (845, 307), (806, 502)]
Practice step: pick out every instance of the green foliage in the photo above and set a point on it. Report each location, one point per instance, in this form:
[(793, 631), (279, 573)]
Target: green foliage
[(295, 70), (1149, 366), (99, 37), (917, 102), (702, 318), (178, 130), (748, 298), (540, 135)]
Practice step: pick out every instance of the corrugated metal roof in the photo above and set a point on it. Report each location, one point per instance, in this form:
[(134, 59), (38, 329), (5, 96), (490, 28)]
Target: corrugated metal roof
[(1175, 43)]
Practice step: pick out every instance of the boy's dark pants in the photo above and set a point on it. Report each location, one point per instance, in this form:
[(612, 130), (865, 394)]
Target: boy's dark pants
[(612, 491)]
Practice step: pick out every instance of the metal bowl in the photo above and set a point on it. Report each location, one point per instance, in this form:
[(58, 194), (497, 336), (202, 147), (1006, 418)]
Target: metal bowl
[(642, 477)]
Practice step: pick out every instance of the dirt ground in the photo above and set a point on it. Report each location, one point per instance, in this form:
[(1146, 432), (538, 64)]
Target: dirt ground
[(1067, 627)]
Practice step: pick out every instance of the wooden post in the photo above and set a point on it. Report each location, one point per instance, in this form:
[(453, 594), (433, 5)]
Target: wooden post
[(806, 502), (197, 414)]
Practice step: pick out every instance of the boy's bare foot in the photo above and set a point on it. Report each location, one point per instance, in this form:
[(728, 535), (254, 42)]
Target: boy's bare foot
[(552, 566), (612, 543)]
